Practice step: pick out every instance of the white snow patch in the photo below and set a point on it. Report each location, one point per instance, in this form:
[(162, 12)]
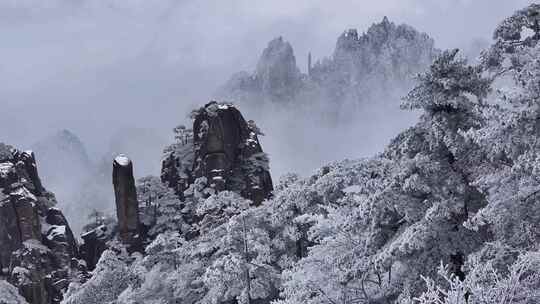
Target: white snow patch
[(527, 33), (22, 191), (55, 231), (87, 233), (20, 270), (122, 160), (5, 168)]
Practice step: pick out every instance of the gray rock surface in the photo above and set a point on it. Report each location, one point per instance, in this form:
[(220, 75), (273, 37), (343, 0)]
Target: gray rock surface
[(127, 206), (225, 150), (37, 243)]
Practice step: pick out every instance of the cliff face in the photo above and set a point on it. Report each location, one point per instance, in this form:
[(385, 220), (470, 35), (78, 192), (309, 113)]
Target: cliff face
[(228, 152), (37, 243), (225, 150)]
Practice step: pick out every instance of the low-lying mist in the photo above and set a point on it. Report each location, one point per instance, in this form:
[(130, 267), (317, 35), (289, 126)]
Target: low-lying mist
[(302, 139)]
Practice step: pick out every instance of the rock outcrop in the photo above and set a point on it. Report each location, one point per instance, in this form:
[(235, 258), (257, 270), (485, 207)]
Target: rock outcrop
[(99, 234), (277, 73), (37, 245), (95, 243), (276, 77), (225, 150), (177, 166), (127, 206), (127, 227)]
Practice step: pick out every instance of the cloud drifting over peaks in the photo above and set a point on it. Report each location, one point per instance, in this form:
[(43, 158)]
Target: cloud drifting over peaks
[(79, 64)]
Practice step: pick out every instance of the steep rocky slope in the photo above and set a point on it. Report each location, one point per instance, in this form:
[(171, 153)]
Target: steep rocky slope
[(38, 246)]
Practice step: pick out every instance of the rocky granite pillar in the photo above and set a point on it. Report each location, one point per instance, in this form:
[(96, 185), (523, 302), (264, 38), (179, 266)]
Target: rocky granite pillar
[(228, 152), (127, 207)]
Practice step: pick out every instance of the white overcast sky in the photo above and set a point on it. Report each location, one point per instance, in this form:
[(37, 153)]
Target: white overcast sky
[(95, 66)]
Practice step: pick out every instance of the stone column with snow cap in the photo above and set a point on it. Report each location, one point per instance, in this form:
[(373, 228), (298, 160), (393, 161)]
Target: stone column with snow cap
[(127, 206)]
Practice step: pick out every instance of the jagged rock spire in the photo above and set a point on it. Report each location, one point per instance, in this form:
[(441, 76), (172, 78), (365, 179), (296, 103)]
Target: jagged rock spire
[(127, 207), (228, 152), (276, 72)]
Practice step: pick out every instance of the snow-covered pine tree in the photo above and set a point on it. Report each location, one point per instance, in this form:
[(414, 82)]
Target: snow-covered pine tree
[(510, 137)]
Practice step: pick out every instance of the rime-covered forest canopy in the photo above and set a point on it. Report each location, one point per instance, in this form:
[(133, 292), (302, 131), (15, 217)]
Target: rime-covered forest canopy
[(447, 213)]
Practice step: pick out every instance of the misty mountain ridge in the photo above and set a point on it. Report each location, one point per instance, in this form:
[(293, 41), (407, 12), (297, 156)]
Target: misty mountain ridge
[(336, 109), (371, 68)]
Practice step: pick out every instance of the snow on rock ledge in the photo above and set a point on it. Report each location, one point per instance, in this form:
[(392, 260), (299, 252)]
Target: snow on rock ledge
[(122, 160)]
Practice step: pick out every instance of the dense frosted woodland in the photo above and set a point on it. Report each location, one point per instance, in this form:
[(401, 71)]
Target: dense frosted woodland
[(448, 213)]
